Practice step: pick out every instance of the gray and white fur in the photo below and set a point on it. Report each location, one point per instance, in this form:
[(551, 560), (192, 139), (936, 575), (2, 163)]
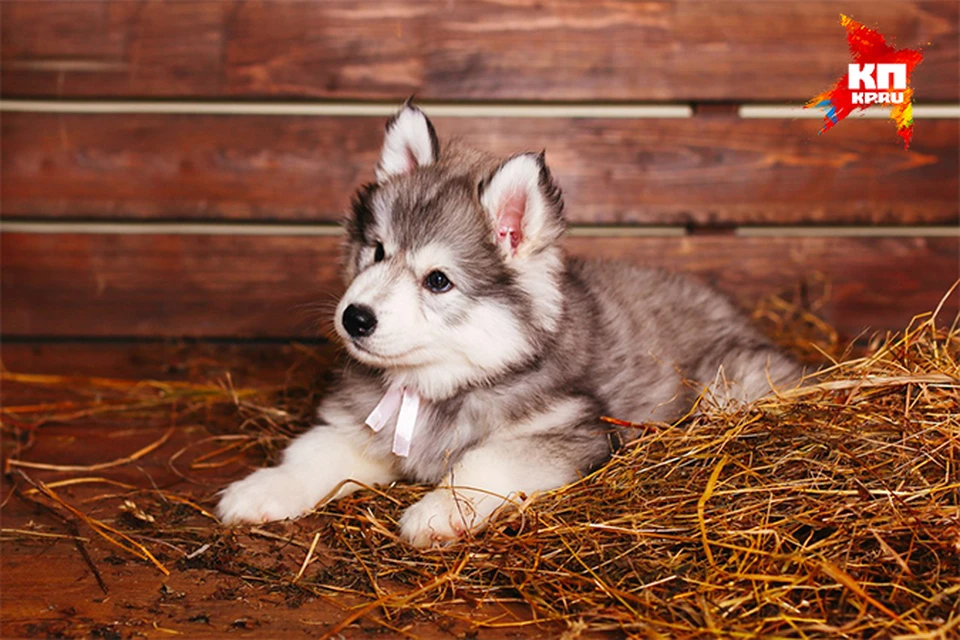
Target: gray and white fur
[(515, 349)]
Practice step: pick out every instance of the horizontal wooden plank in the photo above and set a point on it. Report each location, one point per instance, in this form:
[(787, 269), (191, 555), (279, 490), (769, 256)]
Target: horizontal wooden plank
[(129, 285), (579, 50), (703, 170)]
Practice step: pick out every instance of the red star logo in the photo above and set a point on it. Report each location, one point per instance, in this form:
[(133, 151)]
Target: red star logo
[(869, 49)]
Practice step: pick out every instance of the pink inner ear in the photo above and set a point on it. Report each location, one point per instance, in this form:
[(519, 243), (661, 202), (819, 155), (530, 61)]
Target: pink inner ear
[(412, 162), (510, 219)]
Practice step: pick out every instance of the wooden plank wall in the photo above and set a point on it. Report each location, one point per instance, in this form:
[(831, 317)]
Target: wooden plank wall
[(152, 185)]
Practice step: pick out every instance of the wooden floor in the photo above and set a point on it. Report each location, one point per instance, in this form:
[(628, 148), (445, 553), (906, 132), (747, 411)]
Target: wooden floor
[(60, 578)]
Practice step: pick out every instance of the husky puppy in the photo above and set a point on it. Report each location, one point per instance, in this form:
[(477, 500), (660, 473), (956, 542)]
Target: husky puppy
[(503, 352)]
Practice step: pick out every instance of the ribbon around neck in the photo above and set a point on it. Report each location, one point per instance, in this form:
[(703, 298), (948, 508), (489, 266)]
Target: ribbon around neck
[(409, 404)]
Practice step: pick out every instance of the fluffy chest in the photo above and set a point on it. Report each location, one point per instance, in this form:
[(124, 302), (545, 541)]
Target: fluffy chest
[(443, 431)]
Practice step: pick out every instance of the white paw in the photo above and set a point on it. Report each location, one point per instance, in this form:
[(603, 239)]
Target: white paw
[(443, 517), (264, 496)]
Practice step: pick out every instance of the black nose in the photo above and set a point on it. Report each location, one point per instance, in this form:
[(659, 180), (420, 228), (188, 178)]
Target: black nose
[(359, 320)]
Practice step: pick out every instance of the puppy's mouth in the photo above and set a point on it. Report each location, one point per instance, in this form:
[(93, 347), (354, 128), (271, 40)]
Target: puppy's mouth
[(358, 345), (367, 355)]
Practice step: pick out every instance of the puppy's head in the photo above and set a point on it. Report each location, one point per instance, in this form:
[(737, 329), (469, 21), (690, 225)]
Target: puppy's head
[(453, 262)]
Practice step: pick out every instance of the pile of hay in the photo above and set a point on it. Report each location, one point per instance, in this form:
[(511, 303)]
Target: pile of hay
[(832, 509)]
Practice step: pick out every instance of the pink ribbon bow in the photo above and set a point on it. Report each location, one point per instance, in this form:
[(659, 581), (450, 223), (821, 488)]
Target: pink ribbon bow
[(409, 404)]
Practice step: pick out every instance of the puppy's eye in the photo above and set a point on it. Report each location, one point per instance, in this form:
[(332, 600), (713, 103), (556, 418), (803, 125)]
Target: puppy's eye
[(437, 282), (378, 253)]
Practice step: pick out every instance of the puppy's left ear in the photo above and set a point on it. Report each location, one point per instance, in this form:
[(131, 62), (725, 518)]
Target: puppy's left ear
[(410, 142), (524, 204)]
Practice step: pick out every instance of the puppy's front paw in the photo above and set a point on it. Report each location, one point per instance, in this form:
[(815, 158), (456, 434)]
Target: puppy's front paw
[(264, 496), (435, 520), (444, 516)]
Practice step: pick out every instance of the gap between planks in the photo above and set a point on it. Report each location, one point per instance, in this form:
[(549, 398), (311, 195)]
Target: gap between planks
[(238, 229), (790, 112), (440, 109), (342, 109), (260, 229)]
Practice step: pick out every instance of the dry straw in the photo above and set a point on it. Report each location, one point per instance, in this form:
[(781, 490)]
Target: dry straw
[(832, 509)]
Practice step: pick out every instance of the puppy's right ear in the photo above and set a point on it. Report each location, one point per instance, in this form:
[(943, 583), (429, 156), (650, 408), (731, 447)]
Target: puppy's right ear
[(410, 142)]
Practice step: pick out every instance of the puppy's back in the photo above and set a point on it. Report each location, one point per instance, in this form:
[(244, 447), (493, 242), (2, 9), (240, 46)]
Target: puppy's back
[(666, 327)]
